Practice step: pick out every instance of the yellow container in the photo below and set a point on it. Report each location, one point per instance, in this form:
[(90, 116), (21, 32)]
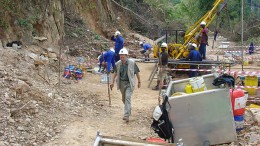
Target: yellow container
[(188, 89), (178, 93), (245, 63), (251, 81), (254, 106), (84, 70)]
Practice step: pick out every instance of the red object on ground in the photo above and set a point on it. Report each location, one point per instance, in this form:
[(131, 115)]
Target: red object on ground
[(155, 140), (238, 102)]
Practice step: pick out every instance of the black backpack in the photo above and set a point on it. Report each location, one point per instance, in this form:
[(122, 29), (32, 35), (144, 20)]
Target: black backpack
[(163, 127), (225, 78)]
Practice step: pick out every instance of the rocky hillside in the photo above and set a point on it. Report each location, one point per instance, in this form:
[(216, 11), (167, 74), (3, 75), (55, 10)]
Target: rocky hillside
[(61, 21), (33, 105)]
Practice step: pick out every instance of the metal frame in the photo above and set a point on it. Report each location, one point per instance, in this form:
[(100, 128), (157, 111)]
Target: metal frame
[(109, 141)]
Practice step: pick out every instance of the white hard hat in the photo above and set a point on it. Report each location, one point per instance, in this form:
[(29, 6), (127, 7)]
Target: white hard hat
[(157, 113), (140, 43), (117, 33), (164, 45), (194, 45), (123, 51), (112, 49), (203, 23)]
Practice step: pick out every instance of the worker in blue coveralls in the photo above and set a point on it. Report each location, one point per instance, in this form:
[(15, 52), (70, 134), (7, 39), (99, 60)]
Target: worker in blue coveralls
[(119, 44), (107, 59), (147, 49), (101, 62), (193, 56), (251, 48)]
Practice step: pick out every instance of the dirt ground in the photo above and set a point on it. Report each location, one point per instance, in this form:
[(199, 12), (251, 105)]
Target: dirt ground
[(82, 129), (35, 111), (99, 116)]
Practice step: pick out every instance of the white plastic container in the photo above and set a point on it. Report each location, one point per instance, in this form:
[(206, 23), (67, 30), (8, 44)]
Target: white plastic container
[(198, 84), (104, 79)]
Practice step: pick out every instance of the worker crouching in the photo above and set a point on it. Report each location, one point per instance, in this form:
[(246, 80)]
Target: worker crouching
[(147, 50), (193, 56)]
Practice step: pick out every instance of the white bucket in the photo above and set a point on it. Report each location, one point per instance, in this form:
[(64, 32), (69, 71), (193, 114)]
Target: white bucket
[(104, 79), (198, 84)]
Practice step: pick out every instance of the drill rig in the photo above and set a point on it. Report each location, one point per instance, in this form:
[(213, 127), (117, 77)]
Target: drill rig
[(177, 51)]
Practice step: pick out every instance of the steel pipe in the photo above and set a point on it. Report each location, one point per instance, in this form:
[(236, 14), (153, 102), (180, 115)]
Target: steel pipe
[(126, 143)]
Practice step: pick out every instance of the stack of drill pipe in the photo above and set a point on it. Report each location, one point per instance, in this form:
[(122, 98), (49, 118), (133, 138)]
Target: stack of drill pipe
[(175, 61)]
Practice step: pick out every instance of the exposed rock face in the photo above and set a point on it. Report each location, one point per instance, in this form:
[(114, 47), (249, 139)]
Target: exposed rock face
[(33, 18), (45, 19), (54, 22)]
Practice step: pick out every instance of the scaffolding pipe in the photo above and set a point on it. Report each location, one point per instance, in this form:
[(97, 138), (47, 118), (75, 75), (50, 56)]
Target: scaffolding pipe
[(242, 32), (126, 143), (98, 138), (103, 140)]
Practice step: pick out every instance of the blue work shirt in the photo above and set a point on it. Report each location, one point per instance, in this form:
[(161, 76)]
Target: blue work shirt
[(119, 43), (147, 46), (109, 58), (251, 48), (194, 56)]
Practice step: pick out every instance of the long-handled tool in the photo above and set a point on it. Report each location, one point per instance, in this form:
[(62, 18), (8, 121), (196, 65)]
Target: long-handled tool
[(108, 88)]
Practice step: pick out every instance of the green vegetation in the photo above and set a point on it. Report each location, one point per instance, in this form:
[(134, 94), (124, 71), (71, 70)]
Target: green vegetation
[(25, 23), (7, 7), (87, 5)]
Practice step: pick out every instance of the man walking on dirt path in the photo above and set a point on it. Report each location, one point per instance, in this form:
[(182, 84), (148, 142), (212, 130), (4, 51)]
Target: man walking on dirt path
[(119, 44), (125, 72), (163, 64), (203, 39)]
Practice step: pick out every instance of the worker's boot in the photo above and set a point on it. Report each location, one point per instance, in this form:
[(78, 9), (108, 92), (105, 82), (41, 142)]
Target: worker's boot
[(164, 84), (157, 86), (148, 58)]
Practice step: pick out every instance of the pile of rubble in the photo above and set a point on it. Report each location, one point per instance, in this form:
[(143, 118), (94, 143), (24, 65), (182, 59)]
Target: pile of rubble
[(33, 110)]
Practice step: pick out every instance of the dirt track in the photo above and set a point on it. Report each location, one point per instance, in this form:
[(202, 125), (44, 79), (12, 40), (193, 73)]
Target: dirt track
[(108, 119)]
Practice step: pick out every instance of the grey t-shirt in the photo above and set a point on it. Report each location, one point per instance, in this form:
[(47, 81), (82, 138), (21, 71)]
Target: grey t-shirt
[(123, 71)]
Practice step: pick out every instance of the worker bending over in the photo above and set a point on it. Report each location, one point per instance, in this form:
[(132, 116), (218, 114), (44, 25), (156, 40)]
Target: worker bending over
[(163, 64), (106, 59), (193, 56), (147, 49)]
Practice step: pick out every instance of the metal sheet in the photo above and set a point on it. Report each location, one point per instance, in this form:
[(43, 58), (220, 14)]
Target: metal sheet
[(203, 116)]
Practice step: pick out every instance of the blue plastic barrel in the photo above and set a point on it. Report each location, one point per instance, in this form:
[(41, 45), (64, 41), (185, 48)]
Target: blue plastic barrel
[(239, 122), (78, 74), (71, 67), (66, 73)]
